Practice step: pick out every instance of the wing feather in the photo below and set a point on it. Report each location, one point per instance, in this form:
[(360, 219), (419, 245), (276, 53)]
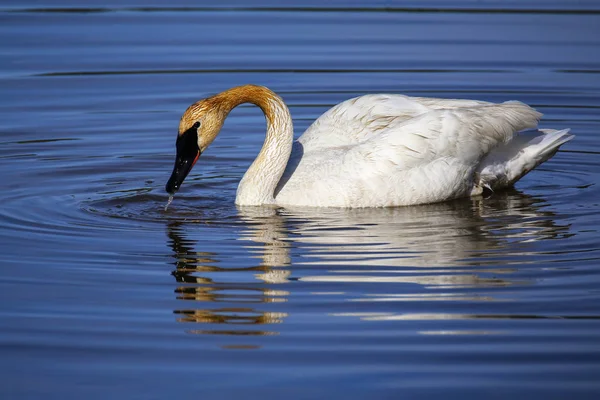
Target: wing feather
[(362, 118), (464, 134)]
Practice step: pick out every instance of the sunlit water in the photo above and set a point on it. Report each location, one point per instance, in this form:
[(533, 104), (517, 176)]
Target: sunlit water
[(106, 292)]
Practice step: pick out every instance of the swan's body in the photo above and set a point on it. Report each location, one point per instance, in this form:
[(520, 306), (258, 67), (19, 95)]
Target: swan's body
[(380, 150)]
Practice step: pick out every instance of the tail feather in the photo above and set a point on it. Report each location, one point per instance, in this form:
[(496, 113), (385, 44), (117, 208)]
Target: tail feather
[(508, 163), (553, 139)]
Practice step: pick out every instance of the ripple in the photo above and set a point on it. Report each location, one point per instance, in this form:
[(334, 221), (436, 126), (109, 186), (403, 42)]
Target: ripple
[(150, 207)]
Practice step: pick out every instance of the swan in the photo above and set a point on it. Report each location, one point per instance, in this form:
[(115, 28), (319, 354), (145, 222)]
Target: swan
[(376, 150)]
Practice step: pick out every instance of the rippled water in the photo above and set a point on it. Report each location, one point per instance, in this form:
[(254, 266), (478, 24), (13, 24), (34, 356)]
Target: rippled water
[(104, 293)]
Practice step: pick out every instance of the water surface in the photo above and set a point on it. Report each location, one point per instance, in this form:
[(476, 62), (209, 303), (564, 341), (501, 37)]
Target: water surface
[(104, 293)]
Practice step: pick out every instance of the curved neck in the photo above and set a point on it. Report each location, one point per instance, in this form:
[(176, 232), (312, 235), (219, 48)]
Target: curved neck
[(258, 185)]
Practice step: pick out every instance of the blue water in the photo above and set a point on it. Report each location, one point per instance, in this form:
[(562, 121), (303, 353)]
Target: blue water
[(103, 294)]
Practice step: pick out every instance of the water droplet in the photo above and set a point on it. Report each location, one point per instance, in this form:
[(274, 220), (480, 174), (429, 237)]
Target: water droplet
[(169, 201)]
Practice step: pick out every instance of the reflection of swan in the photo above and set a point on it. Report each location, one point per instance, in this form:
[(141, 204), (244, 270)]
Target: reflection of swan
[(374, 150), (207, 291), (433, 245)]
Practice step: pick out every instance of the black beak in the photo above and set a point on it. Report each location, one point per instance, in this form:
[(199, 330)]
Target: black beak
[(187, 155)]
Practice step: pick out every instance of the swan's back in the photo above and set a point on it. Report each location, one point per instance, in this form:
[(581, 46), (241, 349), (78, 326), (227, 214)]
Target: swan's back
[(361, 118)]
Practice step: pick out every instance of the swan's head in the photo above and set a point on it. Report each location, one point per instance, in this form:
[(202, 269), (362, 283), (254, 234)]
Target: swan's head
[(199, 126)]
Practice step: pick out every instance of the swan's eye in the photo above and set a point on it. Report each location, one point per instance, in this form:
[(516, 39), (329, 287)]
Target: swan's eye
[(196, 125)]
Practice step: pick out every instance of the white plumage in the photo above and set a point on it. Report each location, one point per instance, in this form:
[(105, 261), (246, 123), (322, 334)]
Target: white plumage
[(382, 150), (392, 150)]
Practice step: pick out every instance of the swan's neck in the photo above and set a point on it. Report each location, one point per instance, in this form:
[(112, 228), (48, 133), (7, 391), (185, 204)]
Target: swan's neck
[(258, 185)]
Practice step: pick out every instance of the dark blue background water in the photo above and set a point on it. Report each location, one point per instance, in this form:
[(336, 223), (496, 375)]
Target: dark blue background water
[(104, 294)]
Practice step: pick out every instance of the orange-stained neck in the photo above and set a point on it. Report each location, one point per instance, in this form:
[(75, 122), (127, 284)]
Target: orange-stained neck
[(221, 105), (259, 95)]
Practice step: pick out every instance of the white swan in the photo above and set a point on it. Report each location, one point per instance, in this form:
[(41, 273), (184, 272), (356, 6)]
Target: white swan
[(376, 150)]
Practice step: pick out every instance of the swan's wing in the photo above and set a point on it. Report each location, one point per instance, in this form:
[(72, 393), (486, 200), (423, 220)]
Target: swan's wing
[(465, 134), (356, 120), (434, 156)]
